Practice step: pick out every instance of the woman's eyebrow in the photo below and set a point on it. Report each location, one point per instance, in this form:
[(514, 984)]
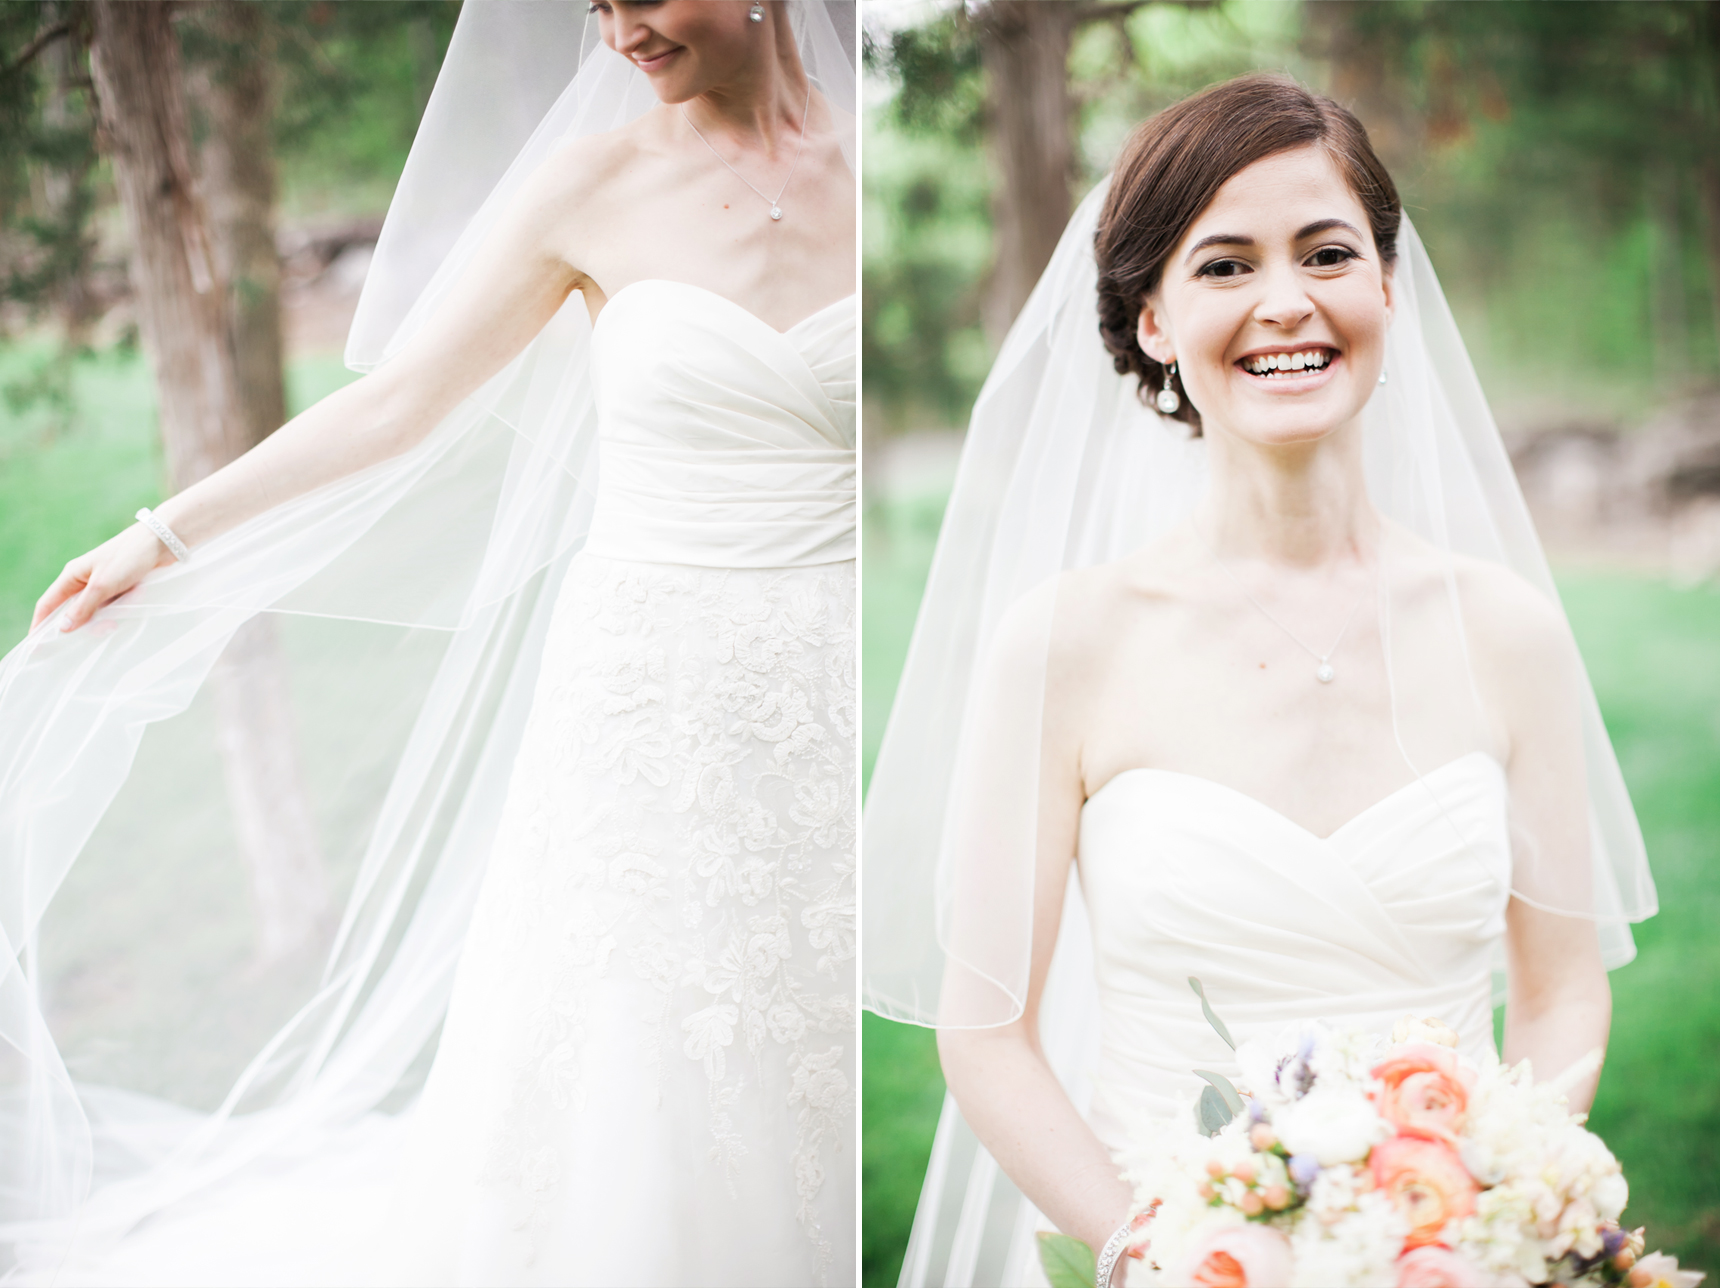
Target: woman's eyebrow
[(1325, 226), (1242, 239), (1218, 239)]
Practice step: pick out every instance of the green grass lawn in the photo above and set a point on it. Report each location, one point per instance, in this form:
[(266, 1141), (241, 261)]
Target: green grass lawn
[(1654, 654)]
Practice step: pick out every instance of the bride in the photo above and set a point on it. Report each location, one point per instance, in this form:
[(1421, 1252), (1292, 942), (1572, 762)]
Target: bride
[(1270, 690), (577, 556)]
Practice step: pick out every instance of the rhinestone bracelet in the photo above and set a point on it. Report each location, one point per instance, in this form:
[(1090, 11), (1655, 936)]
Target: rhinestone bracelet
[(1117, 1246), (1111, 1254), (165, 534)]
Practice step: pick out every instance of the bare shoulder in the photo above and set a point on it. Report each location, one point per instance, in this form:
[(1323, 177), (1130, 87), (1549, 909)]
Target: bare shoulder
[(582, 169), (1049, 624), (1513, 623), (1081, 615), (1507, 620), (1519, 643)]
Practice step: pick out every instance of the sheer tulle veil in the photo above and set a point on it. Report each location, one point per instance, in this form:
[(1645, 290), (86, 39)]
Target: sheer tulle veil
[(1063, 467), (146, 1052)]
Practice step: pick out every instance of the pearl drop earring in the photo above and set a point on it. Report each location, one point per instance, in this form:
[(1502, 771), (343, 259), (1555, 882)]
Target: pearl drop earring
[(1168, 400), (1382, 375), (756, 13)]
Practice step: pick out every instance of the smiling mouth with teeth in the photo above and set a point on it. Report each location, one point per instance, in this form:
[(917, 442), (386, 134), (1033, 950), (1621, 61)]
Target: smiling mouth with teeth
[(1276, 365)]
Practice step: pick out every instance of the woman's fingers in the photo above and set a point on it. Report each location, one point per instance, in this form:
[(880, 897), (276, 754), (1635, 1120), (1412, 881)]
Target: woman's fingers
[(97, 591), (101, 576), (68, 583)]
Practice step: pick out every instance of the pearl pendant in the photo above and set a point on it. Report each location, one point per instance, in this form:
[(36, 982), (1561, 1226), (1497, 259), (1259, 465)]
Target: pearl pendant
[(776, 212), (1325, 675)]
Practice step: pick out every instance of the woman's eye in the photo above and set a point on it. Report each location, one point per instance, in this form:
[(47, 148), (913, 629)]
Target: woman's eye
[(1223, 268), (1331, 256)]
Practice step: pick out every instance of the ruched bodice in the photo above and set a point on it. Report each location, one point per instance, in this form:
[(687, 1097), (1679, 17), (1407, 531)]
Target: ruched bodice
[(1399, 911), (724, 443)]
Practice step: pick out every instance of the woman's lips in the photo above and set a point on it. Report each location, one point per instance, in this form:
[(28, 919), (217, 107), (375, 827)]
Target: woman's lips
[(656, 62), (1291, 382)]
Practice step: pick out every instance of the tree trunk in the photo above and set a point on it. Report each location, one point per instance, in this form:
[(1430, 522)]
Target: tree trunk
[(134, 61), (1024, 50), (182, 314), (235, 89)]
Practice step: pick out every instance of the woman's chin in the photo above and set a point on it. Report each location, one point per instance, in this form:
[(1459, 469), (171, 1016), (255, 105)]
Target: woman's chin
[(1288, 426)]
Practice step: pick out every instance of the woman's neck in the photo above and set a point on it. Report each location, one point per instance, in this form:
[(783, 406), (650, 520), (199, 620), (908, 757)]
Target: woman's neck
[(766, 101), (1302, 505)]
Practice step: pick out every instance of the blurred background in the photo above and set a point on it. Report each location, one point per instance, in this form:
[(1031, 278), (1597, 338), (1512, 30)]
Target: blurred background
[(1562, 163)]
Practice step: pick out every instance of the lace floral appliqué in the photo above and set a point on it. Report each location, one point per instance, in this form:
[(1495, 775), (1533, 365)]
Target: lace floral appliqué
[(683, 815)]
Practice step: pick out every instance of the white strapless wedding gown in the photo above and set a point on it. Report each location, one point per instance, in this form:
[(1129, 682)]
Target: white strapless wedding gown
[(647, 1071), (1400, 911), (646, 1075), (1397, 912)]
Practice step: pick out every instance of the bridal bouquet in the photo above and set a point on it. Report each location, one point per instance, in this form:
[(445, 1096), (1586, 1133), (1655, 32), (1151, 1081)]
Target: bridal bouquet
[(1345, 1159)]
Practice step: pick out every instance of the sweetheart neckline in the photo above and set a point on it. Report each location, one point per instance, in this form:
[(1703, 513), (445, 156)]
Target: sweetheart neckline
[(733, 304), (1284, 818)]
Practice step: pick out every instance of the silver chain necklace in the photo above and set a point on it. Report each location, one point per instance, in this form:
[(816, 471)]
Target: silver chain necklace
[(776, 203), (1323, 672)]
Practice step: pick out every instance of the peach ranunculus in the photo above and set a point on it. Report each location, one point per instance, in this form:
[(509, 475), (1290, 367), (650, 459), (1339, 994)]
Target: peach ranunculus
[(1435, 1267), (1424, 1091), (1427, 1183), (1235, 1256)]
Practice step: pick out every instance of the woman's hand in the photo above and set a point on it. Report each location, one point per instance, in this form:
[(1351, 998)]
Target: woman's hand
[(102, 576)]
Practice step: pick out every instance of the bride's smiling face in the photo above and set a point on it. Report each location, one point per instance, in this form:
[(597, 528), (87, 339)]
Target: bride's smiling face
[(1275, 303), (685, 47)]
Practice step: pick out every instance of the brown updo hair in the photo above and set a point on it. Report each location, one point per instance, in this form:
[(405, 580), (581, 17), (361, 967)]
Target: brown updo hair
[(1173, 166)]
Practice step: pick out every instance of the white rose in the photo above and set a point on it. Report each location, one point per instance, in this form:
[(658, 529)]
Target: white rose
[(1334, 1125), (1610, 1196)]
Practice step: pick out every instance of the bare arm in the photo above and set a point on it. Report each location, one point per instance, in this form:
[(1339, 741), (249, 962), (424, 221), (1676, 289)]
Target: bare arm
[(999, 1076), (1559, 1005), (512, 288)]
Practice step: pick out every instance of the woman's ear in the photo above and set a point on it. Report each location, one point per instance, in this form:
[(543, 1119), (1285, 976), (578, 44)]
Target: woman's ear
[(1151, 334), (1387, 282)]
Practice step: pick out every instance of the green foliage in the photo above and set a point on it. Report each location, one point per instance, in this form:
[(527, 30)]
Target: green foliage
[(1218, 1026), (1067, 1262), (1550, 154), (927, 229), (354, 82), (48, 191), (1225, 1091), (1210, 1112)]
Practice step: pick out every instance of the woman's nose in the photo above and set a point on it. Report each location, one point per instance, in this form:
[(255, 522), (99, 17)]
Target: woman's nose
[(629, 32), (1283, 300)]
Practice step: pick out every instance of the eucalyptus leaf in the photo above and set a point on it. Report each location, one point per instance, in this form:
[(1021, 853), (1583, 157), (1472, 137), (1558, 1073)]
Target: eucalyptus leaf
[(1210, 1112), (1067, 1262), (1224, 1088), (1211, 1015)]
